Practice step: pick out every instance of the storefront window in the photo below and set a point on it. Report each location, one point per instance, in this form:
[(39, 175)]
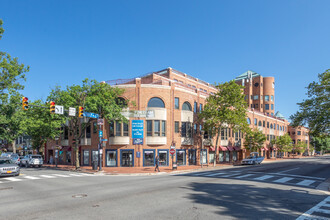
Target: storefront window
[(148, 158), (204, 156), (211, 156), (111, 158), (127, 158), (192, 157), (235, 156), (68, 156), (86, 157), (221, 156), (163, 157), (227, 156), (95, 155), (181, 157)]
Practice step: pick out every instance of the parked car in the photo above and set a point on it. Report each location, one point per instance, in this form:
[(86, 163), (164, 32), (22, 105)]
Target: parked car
[(15, 158), (7, 154), (32, 160), (253, 159), (8, 167)]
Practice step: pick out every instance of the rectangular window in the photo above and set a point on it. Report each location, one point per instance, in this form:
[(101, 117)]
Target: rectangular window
[(125, 127), (195, 107), (195, 128), (267, 98), (256, 106), (252, 97), (94, 127), (267, 124), (263, 124), (156, 128), (86, 157), (66, 133), (256, 97), (118, 128), (163, 128), (272, 106), (176, 127), (181, 157), (200, 107), (163, 155), (148, 158), (298, 132), (176, 103), (267, 106), (149, 128), (183, 129), (111, 129), (88, 131), (189, 129), (260, 105), (261, 98), (271, 98), (267, 137)]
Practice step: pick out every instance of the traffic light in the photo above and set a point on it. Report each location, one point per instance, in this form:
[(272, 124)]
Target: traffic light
[(25, 103), (52, 107), (81, 112)]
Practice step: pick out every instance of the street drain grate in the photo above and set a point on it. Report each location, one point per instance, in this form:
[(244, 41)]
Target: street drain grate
[(79, 196)]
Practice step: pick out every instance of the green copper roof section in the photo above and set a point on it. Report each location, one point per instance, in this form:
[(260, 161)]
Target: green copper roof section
[(279, 115), (246, 75)]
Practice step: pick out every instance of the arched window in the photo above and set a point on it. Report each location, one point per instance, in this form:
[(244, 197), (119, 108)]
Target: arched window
[(156, 103), (271, 125), (248, 121), (259, 124), (186, 106), (255, 121)]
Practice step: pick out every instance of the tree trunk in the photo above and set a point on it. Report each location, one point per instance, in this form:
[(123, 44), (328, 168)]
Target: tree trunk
[(76, 148), (216, 149), (14, 146)]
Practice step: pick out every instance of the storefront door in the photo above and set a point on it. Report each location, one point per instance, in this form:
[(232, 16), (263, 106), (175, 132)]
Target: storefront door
[(127, 159), (163, 157), (111, 158), (192, 156), (204, 156), (181, 157), (86, 157)]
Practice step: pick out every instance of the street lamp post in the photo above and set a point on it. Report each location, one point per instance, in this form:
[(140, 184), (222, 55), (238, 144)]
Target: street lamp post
[(202, 153)]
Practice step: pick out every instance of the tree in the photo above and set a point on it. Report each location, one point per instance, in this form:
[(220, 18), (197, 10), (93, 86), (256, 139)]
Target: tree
[(284, 143), (226, 108), (40, 125), (254, 140), (315, 111), (321, 143), (95, 97), (11, 76), (300, 147)]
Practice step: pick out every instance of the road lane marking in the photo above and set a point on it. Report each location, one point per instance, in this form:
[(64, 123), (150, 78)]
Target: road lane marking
[(246, 175), (317, 208), (198, 174), (263, 177), (292, 175), (60, 175), (12, 179), (32, 177), (230, 175), (214, 174), (73, 174), (289, 170), (283, 180), (305, 182), (47, 176)]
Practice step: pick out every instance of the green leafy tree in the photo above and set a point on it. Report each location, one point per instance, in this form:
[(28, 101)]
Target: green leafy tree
[(284, 143), (300, 147), (321, 143), (226, 108), (11, 77), (254, 140), (315, 111), (95, 97), (40, 125)]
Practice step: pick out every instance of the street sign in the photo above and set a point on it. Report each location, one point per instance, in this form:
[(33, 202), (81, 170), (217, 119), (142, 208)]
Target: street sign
[(137, 131), (100, 121), (91, 115), (105, 140), (172, 147), (72, 111), (100, 133), (172, 151), (59, 109)]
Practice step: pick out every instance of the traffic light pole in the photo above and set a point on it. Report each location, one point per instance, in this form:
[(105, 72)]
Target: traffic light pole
[(100, 145)]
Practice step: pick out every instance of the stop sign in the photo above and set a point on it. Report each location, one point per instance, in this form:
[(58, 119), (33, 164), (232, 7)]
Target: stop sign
[(172, 151)]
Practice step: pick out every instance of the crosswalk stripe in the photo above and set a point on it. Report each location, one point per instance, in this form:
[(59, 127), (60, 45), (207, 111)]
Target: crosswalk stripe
[(246, 175), (323, 211), (73, 174), (214, 174), (326, 205), (31, 177), (198, 174), (61, 175), (12, 179), (47, 176), (305, 182), (229, 175), (283, 180), (87, 174), (263, 177)]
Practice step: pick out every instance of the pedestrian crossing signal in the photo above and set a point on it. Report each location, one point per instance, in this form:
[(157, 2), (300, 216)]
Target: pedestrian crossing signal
[(25, 103), (52, 107), (81, 112)]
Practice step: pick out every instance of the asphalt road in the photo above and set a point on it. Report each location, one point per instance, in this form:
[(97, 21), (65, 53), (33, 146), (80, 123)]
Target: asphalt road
[(280, 190)]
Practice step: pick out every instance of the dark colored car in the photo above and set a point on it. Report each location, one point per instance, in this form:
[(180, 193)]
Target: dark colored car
[(8, 167)]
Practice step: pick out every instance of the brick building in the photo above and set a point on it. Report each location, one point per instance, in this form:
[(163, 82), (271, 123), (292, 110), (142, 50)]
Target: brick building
[(167, 104)]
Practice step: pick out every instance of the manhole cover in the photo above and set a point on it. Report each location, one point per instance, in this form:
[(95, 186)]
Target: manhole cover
[(79, 196)]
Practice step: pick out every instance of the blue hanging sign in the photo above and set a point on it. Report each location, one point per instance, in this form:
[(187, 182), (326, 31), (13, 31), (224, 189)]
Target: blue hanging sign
[(100, 133)]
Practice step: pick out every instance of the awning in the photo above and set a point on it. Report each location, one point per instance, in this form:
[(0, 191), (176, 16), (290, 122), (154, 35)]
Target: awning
[(264, 148), (221, 148), (237, 148), (230, 148), (212, 148)]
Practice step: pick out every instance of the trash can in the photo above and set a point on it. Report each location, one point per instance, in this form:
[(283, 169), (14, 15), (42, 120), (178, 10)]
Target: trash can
[(94, 164)]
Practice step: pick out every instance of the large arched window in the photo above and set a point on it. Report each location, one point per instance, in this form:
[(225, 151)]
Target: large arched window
[(156, 103), (248, 121), (255, 121), (186, 106)]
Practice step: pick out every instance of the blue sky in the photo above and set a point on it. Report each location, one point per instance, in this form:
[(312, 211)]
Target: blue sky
[(64, 41)]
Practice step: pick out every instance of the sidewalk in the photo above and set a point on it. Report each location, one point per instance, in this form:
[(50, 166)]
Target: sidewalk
[(136, 170)]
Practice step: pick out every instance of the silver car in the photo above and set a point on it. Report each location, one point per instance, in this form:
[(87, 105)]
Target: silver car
[(15, 158), (32, 160), (8, 167)]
